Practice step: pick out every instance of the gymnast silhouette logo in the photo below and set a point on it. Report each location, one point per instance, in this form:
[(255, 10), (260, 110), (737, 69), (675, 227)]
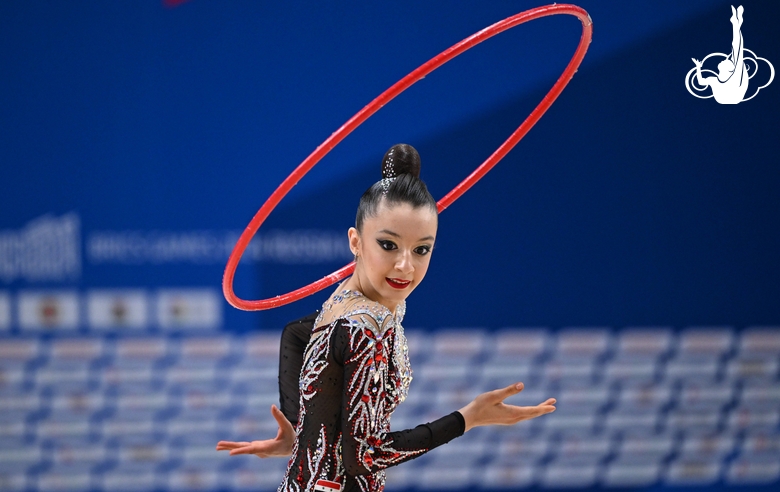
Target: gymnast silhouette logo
[(730, 84)]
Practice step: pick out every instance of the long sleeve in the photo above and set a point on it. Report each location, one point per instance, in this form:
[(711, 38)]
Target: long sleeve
[(348, 380), (295, 337), (371, 386)]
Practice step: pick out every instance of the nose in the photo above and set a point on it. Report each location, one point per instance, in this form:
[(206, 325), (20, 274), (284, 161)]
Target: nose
[(404, 263)]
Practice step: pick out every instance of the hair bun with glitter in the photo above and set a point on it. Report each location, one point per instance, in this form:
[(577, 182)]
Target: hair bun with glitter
[(400, 183), (401, 159)]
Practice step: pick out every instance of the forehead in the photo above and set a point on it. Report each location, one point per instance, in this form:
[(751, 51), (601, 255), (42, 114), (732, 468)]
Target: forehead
[(404, 220)]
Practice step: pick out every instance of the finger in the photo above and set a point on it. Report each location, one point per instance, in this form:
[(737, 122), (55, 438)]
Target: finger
[(279, 416), (504, 393), (223, 445), (526, 413), (227, 443), (233, 443), (243, 450), (517, 414), (286, 429), (226, 448), (548, 405)]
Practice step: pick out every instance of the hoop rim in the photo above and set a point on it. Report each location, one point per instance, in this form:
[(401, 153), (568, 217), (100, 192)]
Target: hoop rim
[(374, 106)]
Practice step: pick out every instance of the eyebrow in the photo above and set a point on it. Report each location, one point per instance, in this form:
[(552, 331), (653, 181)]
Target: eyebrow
[(395, 234)]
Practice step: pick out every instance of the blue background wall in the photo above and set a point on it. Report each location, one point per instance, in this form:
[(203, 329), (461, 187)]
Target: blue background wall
[(630, 202)]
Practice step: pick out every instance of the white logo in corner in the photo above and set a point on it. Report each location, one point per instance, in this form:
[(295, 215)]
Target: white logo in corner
[(729, 85)]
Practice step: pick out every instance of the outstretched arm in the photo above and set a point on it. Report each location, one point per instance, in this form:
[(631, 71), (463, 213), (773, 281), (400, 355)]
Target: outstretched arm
[(367, 445), (295, 337)]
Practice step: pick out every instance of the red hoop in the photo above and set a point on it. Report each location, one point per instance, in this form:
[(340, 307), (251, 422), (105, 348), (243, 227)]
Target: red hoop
[(373, 107)]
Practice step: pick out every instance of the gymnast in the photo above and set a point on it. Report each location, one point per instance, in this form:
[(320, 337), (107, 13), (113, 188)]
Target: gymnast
[(731, 84), (344, 369)]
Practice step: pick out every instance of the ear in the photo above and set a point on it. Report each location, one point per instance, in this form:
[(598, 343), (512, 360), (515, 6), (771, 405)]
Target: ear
[(354, 240)]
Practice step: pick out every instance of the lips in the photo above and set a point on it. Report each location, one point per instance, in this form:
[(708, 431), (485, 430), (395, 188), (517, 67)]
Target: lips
[(397, 283)]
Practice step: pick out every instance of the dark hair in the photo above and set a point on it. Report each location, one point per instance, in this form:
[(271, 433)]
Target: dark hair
[(400, 183)]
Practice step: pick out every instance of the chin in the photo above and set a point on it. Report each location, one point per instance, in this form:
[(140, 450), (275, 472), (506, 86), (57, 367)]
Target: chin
[(397, 295)]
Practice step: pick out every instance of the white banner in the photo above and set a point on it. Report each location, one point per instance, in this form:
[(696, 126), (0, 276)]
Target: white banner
[(117, 309), (48, 310)]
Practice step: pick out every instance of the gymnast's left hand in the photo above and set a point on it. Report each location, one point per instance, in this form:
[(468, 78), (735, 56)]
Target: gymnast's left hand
[(280, 446), (489, 408)]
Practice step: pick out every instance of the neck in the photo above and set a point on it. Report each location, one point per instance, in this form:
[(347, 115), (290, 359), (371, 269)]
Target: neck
[(355, 282)]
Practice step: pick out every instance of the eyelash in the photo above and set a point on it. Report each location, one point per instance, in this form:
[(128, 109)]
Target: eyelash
[(426, 250), (389, 246), (386, 245)]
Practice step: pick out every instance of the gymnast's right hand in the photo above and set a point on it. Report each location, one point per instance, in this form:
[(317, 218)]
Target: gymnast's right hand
[(489, 408), (280, 446)]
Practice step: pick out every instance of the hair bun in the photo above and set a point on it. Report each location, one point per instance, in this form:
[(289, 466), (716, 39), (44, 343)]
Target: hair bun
[(401, 159)]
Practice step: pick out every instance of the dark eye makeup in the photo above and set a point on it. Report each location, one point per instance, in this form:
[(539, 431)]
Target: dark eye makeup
[(390, 246), (386, 245), (422, 250)]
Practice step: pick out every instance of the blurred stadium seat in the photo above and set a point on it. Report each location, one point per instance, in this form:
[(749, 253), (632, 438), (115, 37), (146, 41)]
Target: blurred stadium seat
[(636, 407)]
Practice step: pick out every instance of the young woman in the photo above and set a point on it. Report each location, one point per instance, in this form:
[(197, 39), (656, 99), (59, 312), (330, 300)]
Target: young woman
[(345, 369)]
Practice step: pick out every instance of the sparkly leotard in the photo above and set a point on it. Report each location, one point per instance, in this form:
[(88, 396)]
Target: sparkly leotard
[(352, 375)]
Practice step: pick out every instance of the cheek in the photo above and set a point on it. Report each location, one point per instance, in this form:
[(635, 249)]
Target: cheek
[(422, 267), (379, 262)]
